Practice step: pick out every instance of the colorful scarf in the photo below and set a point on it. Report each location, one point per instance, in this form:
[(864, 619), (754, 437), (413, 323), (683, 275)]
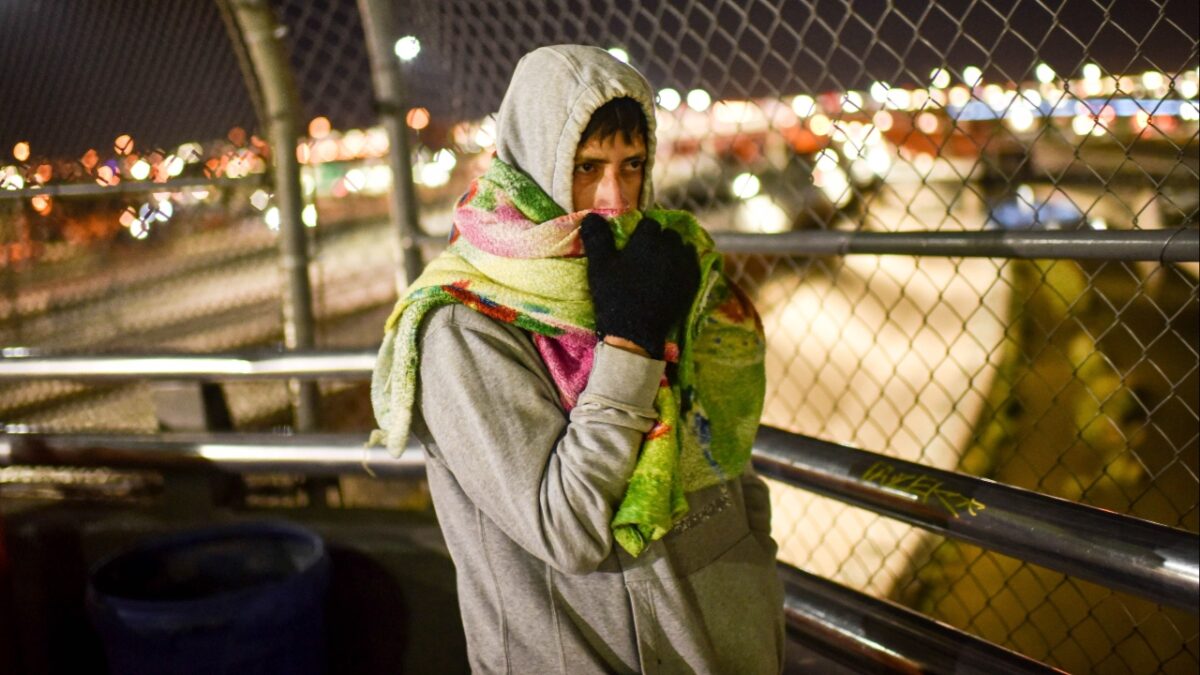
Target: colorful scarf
[(516, 257)]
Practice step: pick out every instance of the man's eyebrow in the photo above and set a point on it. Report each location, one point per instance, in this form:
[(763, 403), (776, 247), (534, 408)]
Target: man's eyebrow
[(593, 159)]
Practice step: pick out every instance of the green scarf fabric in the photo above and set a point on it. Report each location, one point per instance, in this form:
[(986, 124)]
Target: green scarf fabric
[(533, 276)]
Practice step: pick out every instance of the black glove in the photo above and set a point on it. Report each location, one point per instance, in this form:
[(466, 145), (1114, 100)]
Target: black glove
[(642, 290)]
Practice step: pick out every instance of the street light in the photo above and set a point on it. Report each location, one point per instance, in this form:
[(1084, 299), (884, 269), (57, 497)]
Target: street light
[(407, 48)]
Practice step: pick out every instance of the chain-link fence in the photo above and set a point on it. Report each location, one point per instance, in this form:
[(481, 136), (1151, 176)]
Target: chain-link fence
[(1076, 379), (1073, 378)]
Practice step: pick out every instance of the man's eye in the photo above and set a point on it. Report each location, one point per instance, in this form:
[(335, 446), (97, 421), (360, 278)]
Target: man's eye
[(586, 167)]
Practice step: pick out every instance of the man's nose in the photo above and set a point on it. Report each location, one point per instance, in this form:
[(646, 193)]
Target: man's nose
[(610, 193)]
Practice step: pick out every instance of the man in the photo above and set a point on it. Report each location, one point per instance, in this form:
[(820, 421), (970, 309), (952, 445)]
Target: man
[(601, 517)]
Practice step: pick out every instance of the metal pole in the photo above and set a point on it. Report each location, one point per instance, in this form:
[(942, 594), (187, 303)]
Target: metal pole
[(313, 454), (262, 36), (1113, 550), (873, 635), (1170, 245), (25, 365), (390, 98)]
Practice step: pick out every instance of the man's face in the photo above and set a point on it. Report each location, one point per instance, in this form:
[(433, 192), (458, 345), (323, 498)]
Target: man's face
[(608, 174)]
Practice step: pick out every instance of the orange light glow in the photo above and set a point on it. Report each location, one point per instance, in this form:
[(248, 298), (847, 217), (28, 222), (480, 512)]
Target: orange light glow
[(43, 174), (127, 216), (319, 127), (106, 176), (123, 145), (418, 118), (21, 151), (41, 204), (237, 136), (89, 159)]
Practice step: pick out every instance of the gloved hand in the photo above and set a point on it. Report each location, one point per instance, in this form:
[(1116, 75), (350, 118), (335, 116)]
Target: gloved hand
[(641, 291)]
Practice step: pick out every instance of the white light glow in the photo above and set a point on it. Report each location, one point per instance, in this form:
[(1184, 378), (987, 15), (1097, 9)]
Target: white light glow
[(879, 91), (972, 76), (746, 185), (1092, 72), (1044, 73), (761, 214), (1153, 80), (309, 215), (272, 218), (140, 170), (698, 100), (260, 199), (407, 48), (669, 99), (619, 54), (175, 165), (940, 78), (355, 180), (804, 105)]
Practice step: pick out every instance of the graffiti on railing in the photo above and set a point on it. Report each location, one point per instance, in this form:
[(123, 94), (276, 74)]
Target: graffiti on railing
[(925, 487)]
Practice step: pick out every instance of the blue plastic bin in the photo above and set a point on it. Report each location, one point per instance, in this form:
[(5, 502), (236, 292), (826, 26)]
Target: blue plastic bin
[(241, 599)]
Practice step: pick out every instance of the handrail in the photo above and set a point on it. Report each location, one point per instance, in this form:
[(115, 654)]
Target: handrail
[(1169, 245), (316, 454), (877, 635), (1117, 551), (837, 622), (24, 364), (1114, 550)]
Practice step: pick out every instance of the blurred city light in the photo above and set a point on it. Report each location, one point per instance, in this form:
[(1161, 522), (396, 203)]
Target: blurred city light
[(669, 99), (272, 218), (763, 214), (175, 165), (940, 78), (417, 118), (699, 100), (407, 48), (260, 199), (319, 127), (746, 185), (879, 91), (309, 215), (972, 76), (123, 144), (140, 170), (21, 151), (619, 54), (1044, 73), (820, 125), (804, 105)]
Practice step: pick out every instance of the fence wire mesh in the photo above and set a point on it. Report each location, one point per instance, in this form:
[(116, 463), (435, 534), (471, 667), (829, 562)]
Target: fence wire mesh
[(1076, 379)]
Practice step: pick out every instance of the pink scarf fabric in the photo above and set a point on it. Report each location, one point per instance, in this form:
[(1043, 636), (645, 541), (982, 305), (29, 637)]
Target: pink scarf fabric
[(505, 231)]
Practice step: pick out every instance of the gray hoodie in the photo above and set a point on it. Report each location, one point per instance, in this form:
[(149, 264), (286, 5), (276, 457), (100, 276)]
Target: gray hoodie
[(525, 492)]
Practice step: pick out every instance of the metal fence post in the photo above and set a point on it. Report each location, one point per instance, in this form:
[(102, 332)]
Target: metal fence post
[(389, 92), (262, 36)]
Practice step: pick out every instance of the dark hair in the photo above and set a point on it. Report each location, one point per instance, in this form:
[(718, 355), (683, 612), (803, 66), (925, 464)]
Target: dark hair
[(622, 115)]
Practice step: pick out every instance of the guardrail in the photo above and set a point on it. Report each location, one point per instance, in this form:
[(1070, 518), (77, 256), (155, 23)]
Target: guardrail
[(1134, 555), (1148, 559), (838, 622), (1118, 551)]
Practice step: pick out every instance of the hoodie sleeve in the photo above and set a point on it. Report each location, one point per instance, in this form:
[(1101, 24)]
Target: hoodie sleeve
[(549, 482)]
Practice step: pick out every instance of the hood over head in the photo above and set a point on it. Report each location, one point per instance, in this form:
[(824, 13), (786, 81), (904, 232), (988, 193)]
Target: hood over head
[(550, 100)]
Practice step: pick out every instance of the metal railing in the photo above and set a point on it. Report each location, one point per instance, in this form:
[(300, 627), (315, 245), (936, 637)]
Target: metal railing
[(1130, 554), (1147, 559)]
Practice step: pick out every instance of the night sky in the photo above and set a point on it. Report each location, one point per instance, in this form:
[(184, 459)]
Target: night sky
[(75, 74)]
